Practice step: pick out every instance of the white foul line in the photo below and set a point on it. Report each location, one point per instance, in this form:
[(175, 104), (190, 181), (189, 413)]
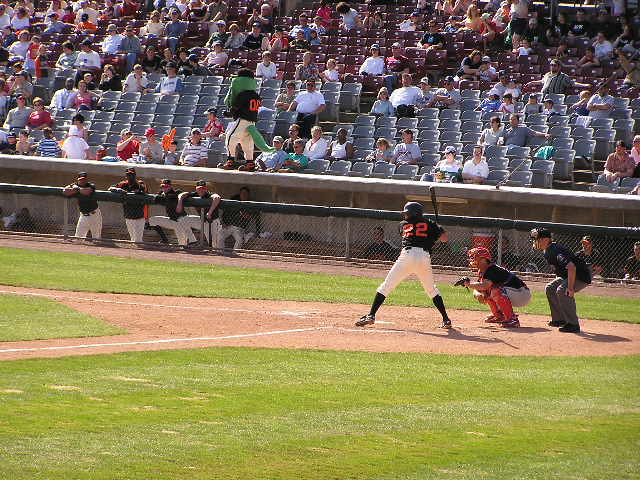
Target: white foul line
[(165, 340), (157, 305)]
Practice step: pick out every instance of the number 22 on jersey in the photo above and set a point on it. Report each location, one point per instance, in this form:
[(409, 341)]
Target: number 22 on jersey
[(417, 230)]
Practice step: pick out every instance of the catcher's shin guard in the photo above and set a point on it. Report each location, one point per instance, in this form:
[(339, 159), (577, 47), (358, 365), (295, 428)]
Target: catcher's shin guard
[(502, 301)]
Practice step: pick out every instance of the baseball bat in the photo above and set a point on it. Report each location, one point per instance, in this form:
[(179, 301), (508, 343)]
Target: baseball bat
[(434, 202)]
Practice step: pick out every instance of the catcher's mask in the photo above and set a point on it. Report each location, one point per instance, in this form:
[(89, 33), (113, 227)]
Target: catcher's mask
[(476, 253)]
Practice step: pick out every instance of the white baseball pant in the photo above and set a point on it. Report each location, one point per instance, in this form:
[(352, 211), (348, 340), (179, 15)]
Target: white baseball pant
[(237, 134), (183, 232), (135, 226), (520, 297), (90, 223), (414, 261), (236, 232), (195, 222)]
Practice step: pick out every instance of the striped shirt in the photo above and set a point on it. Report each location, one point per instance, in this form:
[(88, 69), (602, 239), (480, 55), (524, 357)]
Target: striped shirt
[(193, 154), (48, 147), (556, 83)]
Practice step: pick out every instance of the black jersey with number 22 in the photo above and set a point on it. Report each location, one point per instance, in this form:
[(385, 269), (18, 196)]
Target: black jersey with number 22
[(420, 232)]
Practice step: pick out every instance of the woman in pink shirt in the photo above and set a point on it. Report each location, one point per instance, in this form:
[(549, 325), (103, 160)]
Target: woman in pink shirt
[(39, 118), (635, 155), (84, 99)]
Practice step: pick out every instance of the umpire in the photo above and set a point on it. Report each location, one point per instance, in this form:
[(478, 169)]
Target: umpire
[(572, 275), (90, 219)]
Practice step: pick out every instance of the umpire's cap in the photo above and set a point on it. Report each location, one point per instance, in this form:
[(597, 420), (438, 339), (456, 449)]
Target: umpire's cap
[(413, 209), (130, 170), (201, 183), (537, 233), (82, 174), (165, 181)]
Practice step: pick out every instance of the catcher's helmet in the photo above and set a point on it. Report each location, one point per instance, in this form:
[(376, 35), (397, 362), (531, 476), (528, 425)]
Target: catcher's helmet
[(479, 252), (413, 209), (537, 233)]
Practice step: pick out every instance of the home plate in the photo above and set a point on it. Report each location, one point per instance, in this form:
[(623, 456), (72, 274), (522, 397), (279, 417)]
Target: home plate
[(297, 314), (378, 322)]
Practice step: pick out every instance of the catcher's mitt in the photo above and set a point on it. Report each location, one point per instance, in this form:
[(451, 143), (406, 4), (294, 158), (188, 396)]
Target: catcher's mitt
[(461, 282)]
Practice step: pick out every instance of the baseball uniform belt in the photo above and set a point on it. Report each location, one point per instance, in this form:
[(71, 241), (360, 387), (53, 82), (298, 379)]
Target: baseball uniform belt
[(90, 213), (409, 248)]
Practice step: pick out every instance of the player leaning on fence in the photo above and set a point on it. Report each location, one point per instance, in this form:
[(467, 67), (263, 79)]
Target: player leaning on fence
[(90, 219), (419, 234), (134, 211)]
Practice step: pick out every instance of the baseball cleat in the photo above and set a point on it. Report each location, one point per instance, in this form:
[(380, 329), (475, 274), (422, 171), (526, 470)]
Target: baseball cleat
[(366, 320), (494, 319), (555, 324), (570, 328), (446, 323), (513, 322)]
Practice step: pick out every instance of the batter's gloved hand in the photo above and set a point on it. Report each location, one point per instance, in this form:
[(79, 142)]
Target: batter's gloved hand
[(461, 282)]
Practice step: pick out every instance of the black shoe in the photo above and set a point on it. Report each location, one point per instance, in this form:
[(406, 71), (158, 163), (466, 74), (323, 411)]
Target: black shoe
[(570, 328), (446, 323), (366, 320), (553, 323)]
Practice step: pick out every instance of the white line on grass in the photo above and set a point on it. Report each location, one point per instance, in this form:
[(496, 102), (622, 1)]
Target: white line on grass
[(157, 305), (165, 340)]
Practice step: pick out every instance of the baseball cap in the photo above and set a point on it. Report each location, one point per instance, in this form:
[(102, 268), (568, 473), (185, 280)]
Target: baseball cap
[(424, 80), (396, 45), (111, 27), (193, 57), (171, 65), (218, 44), (485, 16), (502, 73), (448, 79), (51, 15), (149, 131), (554, 62), (86, 42), (201, 183), (130, 170), (84, 16), (278, 138), (74, 131), (256, 24), (211, 110), (375, 45), (537, 233), (195, 130), (13, 135), (82, 175), (479, 252), (450, 149), (165, 181), (221, 22), (415, 13), (603, 85), (486, 58), (124, 131), (587, 238)]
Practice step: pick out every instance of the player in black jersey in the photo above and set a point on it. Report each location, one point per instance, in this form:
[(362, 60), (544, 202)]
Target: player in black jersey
[(572, 275), (497, 287), (419, 234), (168, 196), (134, 211), (90, 219)]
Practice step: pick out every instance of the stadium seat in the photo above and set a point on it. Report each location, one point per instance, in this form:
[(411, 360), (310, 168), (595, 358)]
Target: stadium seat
[(405, 172), (339, 168), (543, 173), (362, 131), (389, 122), (365, 121), (317, 167), (519, 164), (383, 170), (498, 163), (363, 143), (496, 176), (520, 179), (495, 151), (360, 169)]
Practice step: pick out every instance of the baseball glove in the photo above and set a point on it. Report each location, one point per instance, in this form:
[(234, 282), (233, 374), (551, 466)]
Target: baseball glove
[(461, 282)]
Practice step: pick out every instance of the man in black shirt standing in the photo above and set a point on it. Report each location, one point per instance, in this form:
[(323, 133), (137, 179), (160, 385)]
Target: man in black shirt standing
[(572, 275), (90, 219), (212, 215), (134, 211), (419, 234), (168, 197), (380, 249), (497, 287), (235, 222), (590, 256), (632, 264)]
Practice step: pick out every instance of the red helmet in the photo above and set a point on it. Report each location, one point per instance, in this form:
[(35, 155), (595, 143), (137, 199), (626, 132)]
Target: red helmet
[(479, 252)]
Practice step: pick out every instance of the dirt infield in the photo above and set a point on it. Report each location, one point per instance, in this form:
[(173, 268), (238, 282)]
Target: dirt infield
[(159, 323)]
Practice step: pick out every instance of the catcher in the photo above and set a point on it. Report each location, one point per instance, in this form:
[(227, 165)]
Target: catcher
[(496, 287)]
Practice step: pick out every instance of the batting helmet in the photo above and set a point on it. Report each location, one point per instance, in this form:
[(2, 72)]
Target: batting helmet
[(479, 252), (413, 209), (537, 233)]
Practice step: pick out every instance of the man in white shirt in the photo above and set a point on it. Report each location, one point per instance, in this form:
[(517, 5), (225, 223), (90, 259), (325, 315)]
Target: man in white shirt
[(407, 94), (65, 97), (449, 96), (111, 43), (86, 8), (5, 19), (373, 65), (266, 69), (601, 104), (427, 97), (475, 170), (308, 104), (603, 47), (171, 84), (88, 60), (406, 152)]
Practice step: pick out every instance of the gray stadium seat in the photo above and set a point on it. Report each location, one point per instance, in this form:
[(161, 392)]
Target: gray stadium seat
[(166, 109), (520, 179), (543, 173), (360, 169), (385, 132), (471, 115), (428, 123), (499, 151), (558, 120), (472, 126), (428, 135), (563, 142), (363, 143), (519, 164), (496, 176), (362, 131), (449, 114), (450, 136), (181, 109), (498, 163), (317, 166), (429, 147), (405, 172), (454, 125), (365, 121), (432, 113), (383, 170), (350, 97), (407, 122), (389, 122), (469, 104), (518, 152), (601, 123), (560, 131), (339, 168)]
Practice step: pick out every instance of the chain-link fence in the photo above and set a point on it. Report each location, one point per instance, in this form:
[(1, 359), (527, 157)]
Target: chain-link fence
[(367, 236)]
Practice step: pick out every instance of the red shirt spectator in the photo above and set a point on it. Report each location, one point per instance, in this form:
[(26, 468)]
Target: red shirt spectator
[(128, 146), (398, 62), (130, 8), (39, 118)]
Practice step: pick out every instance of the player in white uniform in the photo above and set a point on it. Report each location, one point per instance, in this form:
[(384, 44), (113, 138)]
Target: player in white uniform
[(419, 234)]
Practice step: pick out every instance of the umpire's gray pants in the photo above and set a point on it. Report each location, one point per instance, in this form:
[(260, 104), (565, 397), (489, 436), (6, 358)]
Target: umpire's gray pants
[(563, 307)]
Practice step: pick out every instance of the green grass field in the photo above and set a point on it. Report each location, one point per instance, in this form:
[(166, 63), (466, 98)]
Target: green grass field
[(32, 318), (79, 272), (239, 413)]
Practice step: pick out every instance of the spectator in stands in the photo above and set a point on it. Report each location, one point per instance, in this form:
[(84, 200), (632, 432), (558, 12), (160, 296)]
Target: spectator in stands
[(218, 57), (130, 9), (5, 18), (324, 12), (619, 164), (155, 27), (522, 47), (331, 73), (449, 96), (427, 96), (236, 37), (503, 83), (373, 20), (21, 85), (626, 41), (151, 149), (264, 17), (589, 59), (374, 64), (317, 146), (632, 264), (196, 11), (130, 46), (20, 48), (519, 134), (507, 105), (273, 161), (20, 20), (39, 118), (175, 29), (308, 104), (195, 153), (451, 7), (340, 148), (110, 80), (307, 70), (68, 57), (68, 15), (382, 107), (549, 107), (266, 69), (137, 81), (18, 117), (601, 104), (48, 146), (632, 70), (171, 84), (315, 38), (297, 160), (476, 169), (279, 41), (590, 256), (23, 145), (470, 66), (53, 24), (410, 24), (382, 153), (449, 168), (256, 40), (88, 79), (75, 147), (580, 27), (85, 99), (286, 98), (128, 146), (151, 62), (111, 43), (349, 17), (406, 152), (88, 60), (580, 107), (171, 156), (302, 26), (214, 129), (405, 98), (487, 73), (379, 249), (635, 155), (432, 40), (217, 11), (9, 148), (85, 25), (85, 8), (294, 134), (519, 17), (194, 66), (220, 35), (603, 49), (491, 104), (395, 66), (604, 23), (78, 121), (555, 81)]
